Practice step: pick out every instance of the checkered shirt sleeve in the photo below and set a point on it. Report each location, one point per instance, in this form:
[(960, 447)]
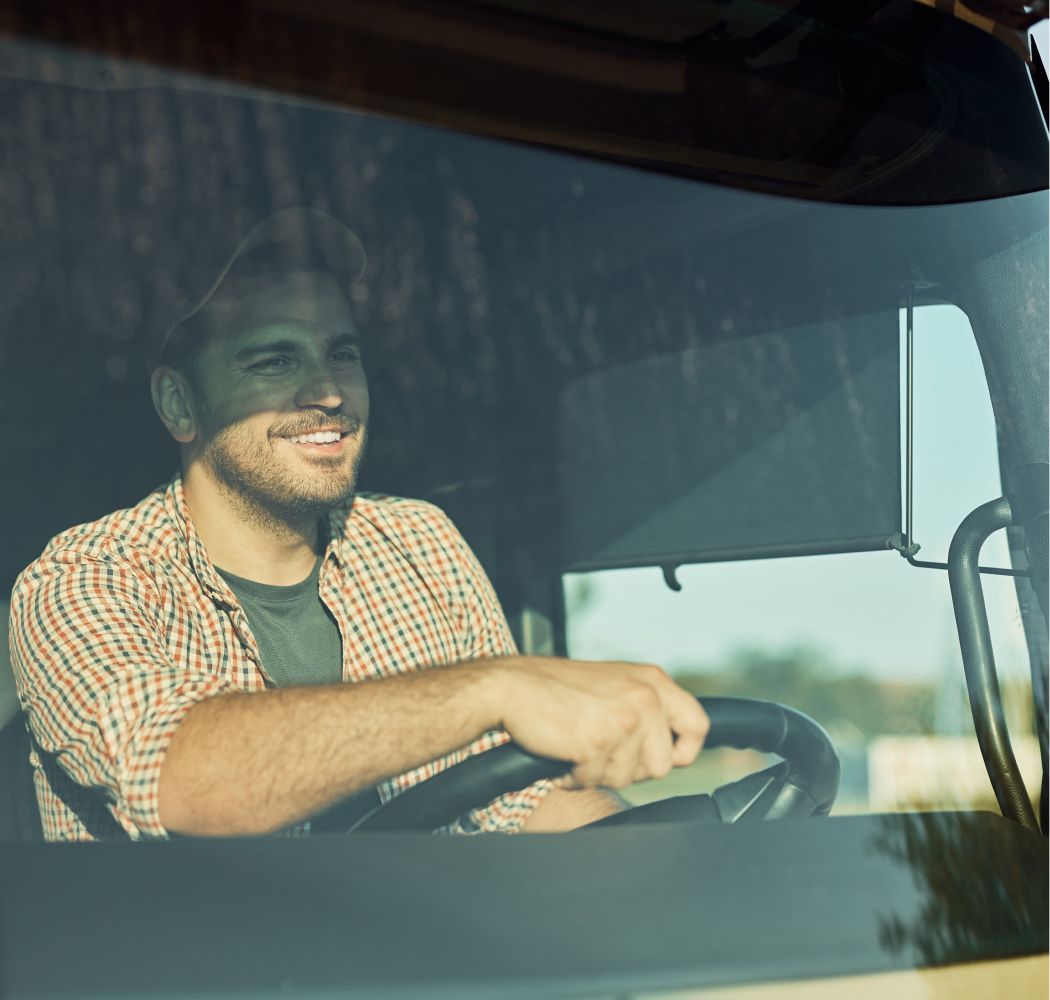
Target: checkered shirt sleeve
[(93, 675)]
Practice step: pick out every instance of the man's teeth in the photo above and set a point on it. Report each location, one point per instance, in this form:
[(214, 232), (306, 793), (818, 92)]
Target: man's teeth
[(320, 437)]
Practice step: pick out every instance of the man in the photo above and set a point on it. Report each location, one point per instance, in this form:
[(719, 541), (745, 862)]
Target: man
[(257, 642)]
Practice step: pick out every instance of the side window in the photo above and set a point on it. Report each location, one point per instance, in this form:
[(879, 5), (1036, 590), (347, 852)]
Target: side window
[(864, 643)]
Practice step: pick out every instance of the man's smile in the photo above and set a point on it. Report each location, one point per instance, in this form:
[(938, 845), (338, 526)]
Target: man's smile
[(322, 442)]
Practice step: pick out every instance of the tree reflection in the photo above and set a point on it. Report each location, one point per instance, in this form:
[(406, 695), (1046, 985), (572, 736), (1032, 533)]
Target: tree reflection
[(985, 881)]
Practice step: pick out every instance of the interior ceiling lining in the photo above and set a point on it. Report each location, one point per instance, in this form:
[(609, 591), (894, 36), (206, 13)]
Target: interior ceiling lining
[(884, 133)]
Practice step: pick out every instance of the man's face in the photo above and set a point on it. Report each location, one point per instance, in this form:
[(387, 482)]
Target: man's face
[(281, 361)]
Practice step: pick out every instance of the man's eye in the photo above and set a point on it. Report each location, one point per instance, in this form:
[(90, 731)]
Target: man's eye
[(347, 355), (276, 363)]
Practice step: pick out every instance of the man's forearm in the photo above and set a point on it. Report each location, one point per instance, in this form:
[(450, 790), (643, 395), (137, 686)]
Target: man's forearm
[(256, 763)]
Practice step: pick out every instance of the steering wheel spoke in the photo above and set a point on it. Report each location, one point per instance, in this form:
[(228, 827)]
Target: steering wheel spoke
[(750, 797)]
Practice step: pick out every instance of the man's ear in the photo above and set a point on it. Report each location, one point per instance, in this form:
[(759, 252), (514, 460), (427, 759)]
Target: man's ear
[(173, 401)]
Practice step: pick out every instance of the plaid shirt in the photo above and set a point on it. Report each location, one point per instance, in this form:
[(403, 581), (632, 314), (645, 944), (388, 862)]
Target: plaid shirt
[(122, 625)]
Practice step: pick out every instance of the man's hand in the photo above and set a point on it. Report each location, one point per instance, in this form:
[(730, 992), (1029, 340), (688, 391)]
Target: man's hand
[(617, 722)]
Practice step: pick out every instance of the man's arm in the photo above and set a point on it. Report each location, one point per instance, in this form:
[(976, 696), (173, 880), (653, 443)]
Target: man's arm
[(246, 763), (256, 763)]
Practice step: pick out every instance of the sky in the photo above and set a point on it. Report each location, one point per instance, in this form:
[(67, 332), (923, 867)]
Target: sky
[(869, 612), (1041, 34)]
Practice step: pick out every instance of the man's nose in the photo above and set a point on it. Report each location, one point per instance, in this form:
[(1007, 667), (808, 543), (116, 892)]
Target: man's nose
[(321, 389)]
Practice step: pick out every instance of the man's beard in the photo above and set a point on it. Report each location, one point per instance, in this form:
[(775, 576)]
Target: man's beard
[(264, 488)]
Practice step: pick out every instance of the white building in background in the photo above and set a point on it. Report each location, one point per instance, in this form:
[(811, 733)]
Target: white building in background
[(924, 772)]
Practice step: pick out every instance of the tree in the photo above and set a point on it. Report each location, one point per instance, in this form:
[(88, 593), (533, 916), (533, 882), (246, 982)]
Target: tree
[(804, 678)]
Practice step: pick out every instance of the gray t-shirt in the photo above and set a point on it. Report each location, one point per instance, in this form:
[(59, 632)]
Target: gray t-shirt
[(298, 638)]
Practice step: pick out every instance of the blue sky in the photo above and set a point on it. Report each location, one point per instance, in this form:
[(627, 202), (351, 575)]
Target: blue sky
[(869, 611)]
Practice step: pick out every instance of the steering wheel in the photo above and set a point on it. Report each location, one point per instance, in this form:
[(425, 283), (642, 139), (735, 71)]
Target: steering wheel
[(804, 783)]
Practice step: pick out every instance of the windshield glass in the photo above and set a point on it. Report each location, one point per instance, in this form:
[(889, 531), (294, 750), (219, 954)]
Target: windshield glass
[(889, 684), (330, 438), (615, 383)]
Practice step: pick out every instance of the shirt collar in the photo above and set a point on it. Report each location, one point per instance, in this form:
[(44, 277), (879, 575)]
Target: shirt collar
[(200, 562), (336, 533), (203, 567)]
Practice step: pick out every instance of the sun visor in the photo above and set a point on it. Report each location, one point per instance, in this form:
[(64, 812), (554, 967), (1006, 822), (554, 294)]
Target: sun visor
[(778, 444)]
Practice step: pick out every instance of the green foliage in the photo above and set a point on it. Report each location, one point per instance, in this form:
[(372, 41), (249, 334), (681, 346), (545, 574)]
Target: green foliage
[(803, 679), (579, 594)]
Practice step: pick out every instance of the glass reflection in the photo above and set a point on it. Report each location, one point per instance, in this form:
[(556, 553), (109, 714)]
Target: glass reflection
[(984, 881)]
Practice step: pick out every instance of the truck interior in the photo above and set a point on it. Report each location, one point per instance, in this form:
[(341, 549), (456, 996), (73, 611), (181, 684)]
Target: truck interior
[(641, 292)]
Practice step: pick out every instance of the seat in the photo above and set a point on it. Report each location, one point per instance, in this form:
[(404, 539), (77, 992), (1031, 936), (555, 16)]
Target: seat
[(19, 816)]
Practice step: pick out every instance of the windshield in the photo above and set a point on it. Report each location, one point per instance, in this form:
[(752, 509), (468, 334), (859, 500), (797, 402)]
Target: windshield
[(588, 366), (669, 418)]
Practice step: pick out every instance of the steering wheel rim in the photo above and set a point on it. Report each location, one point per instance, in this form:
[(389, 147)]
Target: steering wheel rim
[(804, 783)]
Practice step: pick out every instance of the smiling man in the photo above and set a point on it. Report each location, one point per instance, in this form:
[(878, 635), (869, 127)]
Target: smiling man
[(257, 642)]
